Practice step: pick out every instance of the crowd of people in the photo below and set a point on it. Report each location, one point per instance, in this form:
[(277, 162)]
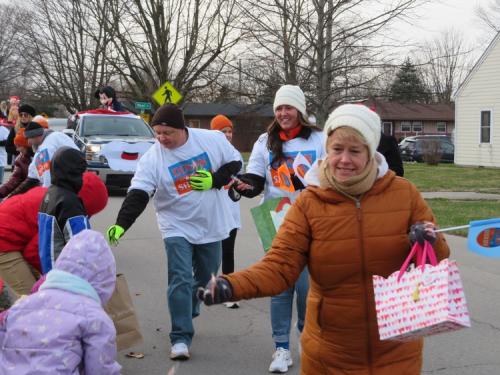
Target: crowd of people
[(56, 271)]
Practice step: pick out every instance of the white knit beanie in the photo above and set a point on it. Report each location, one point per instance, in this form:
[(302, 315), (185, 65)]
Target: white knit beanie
[(290, 95), (359, 117)]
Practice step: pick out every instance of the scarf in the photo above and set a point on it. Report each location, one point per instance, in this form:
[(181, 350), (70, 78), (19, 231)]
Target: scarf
[(354, 186), (58, 279), (290, 134)]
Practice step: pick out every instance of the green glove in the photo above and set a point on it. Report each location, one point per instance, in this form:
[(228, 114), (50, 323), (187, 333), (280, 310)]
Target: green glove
[(201, 180), (114, 233)]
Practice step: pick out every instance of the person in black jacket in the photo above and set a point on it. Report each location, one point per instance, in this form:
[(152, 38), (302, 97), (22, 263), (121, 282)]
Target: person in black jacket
[(26, 114), (388, 147), (62, 214)]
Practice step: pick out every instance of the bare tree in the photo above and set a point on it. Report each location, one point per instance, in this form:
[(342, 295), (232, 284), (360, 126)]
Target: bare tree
[(446, 60), (68, 54), (490, 15), (327, 47), (11, 64), (178, 41)]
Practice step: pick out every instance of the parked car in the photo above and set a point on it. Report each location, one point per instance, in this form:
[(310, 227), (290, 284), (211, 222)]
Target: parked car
[(113, 143), (415, 148), (57, 123)]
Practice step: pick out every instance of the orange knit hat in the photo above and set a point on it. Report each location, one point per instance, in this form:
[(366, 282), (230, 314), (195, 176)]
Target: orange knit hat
[(220, 122), (20, 140), (40, 120)]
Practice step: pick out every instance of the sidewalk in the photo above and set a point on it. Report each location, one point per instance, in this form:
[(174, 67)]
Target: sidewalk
[(460, 195)]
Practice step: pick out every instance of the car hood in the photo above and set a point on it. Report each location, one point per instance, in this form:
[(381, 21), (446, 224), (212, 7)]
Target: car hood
[(99, 139)]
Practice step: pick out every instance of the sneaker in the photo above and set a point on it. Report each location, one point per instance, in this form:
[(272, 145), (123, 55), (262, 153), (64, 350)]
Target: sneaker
[(232, 305), (179, 351), (281, 361)]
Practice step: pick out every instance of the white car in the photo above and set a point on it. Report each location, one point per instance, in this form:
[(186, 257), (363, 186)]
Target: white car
[(113, 143)]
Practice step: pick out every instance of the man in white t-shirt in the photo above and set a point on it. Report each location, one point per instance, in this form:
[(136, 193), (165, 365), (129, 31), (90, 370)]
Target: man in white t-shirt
[(185, 171), (45, 142)]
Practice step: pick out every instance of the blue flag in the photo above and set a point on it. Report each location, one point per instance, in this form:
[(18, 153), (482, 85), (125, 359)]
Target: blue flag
[(484, 237)]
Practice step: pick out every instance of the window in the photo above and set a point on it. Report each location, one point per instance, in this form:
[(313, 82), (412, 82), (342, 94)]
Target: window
[(387, 127), (194, 123), (417, 126), (441, 127), (485, 126), (405, 126)]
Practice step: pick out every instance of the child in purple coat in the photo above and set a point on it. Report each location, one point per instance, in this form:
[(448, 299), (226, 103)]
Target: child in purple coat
[(62, 329)]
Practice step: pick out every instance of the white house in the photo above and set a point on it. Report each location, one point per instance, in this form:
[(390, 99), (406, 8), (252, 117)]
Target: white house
[(477, 112)]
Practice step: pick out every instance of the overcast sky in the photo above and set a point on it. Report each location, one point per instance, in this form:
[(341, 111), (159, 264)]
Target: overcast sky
[(439, 15)]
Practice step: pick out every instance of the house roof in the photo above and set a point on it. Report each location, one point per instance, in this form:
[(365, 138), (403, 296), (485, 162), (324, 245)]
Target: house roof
[(478, 63), (412, 111), (227, 109)]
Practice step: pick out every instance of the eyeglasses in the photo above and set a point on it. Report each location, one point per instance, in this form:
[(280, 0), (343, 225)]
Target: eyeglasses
[(24, 114)]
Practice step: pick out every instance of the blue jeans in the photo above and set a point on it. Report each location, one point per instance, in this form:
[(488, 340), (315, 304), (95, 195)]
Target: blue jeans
[(1, 174), (282, 305), (189, 267)]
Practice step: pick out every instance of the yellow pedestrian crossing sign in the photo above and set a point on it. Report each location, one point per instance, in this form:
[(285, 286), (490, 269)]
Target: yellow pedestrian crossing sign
[(167, 94)]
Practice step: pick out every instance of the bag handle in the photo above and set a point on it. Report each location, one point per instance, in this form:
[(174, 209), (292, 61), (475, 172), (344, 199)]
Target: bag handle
[(422, 254)]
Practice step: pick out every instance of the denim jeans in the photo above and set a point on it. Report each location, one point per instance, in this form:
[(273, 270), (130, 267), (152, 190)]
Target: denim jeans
[(189, 267), (1, 174), (282, 305)]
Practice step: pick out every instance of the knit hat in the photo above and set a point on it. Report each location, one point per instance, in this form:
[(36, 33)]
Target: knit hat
[(358, 117), (220, 122), (93, 193), (39, 119), (169, 115), (290, 95), (33, 129), (26, 108), (20, 140)]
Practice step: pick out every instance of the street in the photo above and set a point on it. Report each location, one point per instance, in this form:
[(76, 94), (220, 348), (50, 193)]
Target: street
[(239, 341)]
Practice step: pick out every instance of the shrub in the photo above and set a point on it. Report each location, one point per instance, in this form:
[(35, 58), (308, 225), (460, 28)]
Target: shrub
[(431, 151)]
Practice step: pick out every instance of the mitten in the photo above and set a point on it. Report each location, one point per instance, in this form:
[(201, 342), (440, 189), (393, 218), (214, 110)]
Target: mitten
[(218, 290)]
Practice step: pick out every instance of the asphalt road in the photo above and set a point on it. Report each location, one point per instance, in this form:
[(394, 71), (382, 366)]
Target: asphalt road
[(239, 341)]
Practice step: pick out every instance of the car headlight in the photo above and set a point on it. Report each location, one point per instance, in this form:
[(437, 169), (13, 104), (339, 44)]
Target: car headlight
[(92, 153)]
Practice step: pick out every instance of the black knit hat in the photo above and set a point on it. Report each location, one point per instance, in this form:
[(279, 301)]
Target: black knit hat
[(26, 108), (169, 115), (33, 129)]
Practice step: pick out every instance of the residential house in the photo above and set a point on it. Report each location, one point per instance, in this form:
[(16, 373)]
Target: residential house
[(477, 140), (249, 120), (407, 119)]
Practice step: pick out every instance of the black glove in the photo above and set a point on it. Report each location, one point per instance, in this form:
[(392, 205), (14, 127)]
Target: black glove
[(419, 233), (218, 290)]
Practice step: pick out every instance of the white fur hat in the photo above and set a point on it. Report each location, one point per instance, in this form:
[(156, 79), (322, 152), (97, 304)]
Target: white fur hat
[(359, 117), (290, 95)]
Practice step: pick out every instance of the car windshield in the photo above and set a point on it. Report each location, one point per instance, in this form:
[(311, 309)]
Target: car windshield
[(408, 144), (115, 126)]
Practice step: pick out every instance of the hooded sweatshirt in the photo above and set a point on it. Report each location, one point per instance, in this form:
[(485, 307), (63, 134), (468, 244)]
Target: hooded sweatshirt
[(62, 329), (19, 216), (61, 213)]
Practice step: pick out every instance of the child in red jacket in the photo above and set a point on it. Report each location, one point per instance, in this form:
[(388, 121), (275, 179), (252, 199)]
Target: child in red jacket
[(19, 260)]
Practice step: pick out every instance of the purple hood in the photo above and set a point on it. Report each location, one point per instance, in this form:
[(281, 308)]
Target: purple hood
[(88, 256)]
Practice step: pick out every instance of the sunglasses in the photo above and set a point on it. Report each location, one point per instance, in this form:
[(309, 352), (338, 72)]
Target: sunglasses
[(23, 114)]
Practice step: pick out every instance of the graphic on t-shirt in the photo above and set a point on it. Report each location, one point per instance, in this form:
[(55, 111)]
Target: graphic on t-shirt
[(42, 162), (285, 179), (309, 155), (181, 171)]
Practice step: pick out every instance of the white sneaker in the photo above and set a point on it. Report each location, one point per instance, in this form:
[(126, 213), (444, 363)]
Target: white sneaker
[(281, 361), (179, 351), (232, 305)]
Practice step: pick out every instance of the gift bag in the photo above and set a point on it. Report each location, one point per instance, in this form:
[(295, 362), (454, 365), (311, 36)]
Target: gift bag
[(268, 218), (121, 310), (423, 301)]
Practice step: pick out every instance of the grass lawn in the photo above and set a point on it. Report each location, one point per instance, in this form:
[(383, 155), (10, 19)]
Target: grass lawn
[(449, 177), (450, 213)]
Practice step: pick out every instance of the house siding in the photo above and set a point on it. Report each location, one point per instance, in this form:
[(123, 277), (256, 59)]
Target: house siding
[(481, 92)]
